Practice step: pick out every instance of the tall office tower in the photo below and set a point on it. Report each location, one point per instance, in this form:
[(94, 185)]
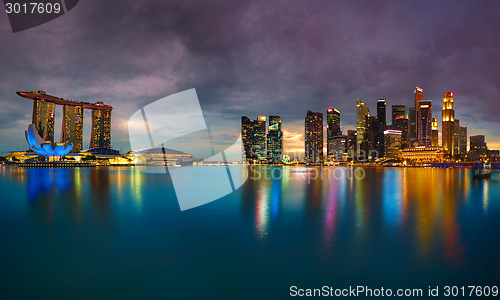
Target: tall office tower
[(101, 128), (478, 146), (463, 140), (372, 138), (43, 118), (351, 142), (333, 127), (382, 122), (275, 140), (412, 126), (72, 129), (362, 112), (259, 138), (419, 96), (314, 137), (393, 143), (246, 138), (338, 145), (381, 112), (456, 137), (447, 123), (424, 123), (401, 124), (459, 139), (397, 110), (435, 133)]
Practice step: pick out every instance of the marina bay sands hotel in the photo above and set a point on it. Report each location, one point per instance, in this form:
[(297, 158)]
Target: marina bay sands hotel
[(72, 123)]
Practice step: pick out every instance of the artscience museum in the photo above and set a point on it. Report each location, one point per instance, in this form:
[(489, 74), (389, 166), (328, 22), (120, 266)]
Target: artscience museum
[(45, 148)]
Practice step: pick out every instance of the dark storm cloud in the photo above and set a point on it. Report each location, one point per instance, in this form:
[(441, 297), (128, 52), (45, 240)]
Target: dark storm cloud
[(259, 57)]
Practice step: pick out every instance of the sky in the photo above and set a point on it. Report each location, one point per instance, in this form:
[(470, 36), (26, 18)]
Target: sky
[(256, 58)]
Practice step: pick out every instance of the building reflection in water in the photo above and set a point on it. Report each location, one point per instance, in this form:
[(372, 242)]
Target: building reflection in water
[(392, 197), (44, 185), (486, 192), (419, 203), (136, 178), (60, 193), (337, 189)]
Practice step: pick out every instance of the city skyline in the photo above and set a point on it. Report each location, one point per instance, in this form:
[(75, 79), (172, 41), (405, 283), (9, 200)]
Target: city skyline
[(261, 63), (377, 134)]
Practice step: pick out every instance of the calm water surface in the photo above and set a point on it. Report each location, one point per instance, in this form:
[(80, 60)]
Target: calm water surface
[(119, 233)]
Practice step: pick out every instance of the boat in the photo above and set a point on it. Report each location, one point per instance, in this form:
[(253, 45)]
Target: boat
[(481, 170), (302, 170)]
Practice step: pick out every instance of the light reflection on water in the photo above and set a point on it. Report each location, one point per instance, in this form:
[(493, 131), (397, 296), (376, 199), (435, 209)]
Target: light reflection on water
[(418, 202), (413, 221)]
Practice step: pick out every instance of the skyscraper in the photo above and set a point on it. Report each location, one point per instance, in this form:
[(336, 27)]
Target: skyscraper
[(393, 143), (338, 145), (401, 124), (247, 138), (456, 137), (447, 123), (478, 146), (459, 139), (275, 140), (72, 130), (372, 138), (314, 137), (435, 133), (463, 140), (424, 123), (381, 112), (351, 142), (412, 127), (362, 112), (72, 121), (397, 110), (259, 138), (418, 96), (101, 128), (333, 127), (43, 118)]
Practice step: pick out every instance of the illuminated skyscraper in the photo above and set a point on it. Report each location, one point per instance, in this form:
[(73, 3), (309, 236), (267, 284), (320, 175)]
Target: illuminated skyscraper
[(246, 138), (392, 143), (333, 128), (478, 147), (351, 142), (338, 147), (259, 138), (459, 139), (381, 112), (412, 126), (463, 140), (424, 123), (401, 124), (418, 96), (43, 118), (435, 133), (275, 140), (101, 128), (382, 122), (448, 123), (372, 139), (72, 121), (314, 137), (362, 112), (72, 130), (397, 110)]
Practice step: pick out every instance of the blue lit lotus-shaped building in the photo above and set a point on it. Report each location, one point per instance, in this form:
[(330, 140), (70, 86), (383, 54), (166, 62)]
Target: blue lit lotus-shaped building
[(45, 148)]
